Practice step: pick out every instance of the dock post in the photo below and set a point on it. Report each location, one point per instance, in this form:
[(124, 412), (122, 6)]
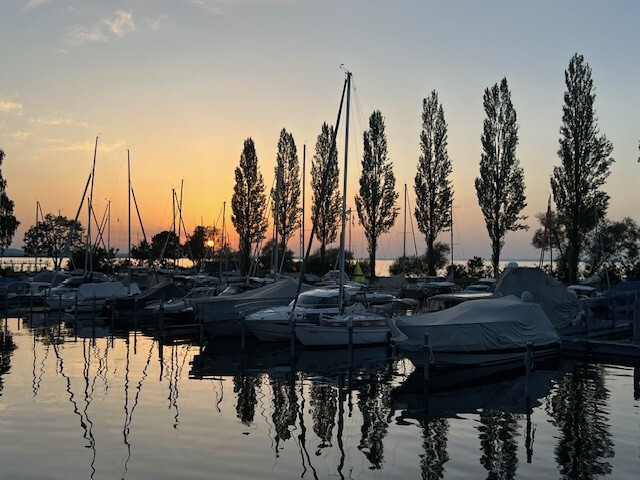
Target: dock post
[(31, 301), (93, 306), (243, 334), (426, 354), (161, 319), (350, 328), (636, 323), (201, 321), (528, 363), (586, 318), (292, 324), (135, 312)]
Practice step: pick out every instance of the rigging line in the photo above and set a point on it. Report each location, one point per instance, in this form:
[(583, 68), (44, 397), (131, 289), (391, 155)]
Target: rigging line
[(115, 181), (413, 233)]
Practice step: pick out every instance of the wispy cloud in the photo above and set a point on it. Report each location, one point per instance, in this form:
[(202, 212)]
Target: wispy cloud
[(55, 121), (117, 26), (156, 23), (10, 106), (57, 146), (210, 6), (18, 137), (31, 4)]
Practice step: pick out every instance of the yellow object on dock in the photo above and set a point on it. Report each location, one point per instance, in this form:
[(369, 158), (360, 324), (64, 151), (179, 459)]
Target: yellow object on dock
[(358, 276)]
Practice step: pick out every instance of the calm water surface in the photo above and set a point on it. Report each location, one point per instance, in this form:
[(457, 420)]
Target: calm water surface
[(127, 406)]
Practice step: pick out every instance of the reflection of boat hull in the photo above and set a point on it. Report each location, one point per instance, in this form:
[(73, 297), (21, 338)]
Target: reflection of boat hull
[(322, 336), (485, 358)]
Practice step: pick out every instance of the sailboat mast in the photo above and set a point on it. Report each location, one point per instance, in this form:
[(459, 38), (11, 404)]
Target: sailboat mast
[(404, 232), (451, 213), (304, 171), (88, 260), (276, 222), (109, 233), (128, 218), (344, 197), (224, 213), (173, 200)]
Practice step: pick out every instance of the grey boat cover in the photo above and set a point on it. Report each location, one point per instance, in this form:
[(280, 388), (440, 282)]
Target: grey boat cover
[(232, 307), (480, 325), (557, 302)]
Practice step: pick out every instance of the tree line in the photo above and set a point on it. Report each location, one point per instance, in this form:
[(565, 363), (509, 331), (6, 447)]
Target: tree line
[(576, 183)]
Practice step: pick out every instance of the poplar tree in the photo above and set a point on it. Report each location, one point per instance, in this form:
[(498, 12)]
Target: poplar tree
[(8, 222), (376, 199), (326, 212), (584, 164), (289, 194), (432, 185), (248, 203), (500, 186)]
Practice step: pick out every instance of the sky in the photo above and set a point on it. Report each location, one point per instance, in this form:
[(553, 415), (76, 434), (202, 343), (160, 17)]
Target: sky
[(182, 83)]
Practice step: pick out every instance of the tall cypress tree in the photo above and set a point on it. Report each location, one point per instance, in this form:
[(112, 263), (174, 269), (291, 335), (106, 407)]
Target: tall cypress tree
[(8, 222), (432, 184), (500, 186), (289, 195), (584, 163), (326, 212), (248, 203), (376, 200)]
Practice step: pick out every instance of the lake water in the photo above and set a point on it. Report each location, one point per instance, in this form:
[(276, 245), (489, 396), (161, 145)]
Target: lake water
[(124, 405)]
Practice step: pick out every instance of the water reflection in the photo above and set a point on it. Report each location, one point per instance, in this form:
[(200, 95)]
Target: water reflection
[(321, 414), (498, 432), (374, 405), (579, 409)]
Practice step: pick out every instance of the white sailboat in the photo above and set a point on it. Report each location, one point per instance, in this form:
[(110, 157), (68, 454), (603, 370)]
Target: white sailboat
[(345, 328)]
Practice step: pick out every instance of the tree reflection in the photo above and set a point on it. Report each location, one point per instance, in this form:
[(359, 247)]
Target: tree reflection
[(498, 432), (246, 388), (285, 404), (374, 404), (6, 349), (580, 412), (434, 444), (324, 406)]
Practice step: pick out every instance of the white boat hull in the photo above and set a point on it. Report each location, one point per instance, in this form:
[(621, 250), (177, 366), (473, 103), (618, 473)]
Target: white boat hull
[(270, 331)]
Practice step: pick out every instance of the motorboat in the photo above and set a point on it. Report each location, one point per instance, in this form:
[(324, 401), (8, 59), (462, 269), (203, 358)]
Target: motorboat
[(181, 304), (477, 332), (448, 300), (91, 297), (274, 324), (223, 315)]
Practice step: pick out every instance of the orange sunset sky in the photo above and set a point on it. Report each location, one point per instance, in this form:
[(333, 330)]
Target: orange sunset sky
[(183, 82)]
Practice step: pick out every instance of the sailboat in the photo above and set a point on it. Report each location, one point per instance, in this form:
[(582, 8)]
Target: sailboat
[(355, 328)]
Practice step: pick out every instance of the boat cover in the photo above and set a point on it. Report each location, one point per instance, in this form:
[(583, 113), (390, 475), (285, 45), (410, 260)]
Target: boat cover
[(560, 306), (166, 290), (232, 306), (102, 291), (481, 325)]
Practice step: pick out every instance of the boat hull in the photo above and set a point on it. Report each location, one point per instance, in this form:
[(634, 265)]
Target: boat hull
[(270, 331)]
